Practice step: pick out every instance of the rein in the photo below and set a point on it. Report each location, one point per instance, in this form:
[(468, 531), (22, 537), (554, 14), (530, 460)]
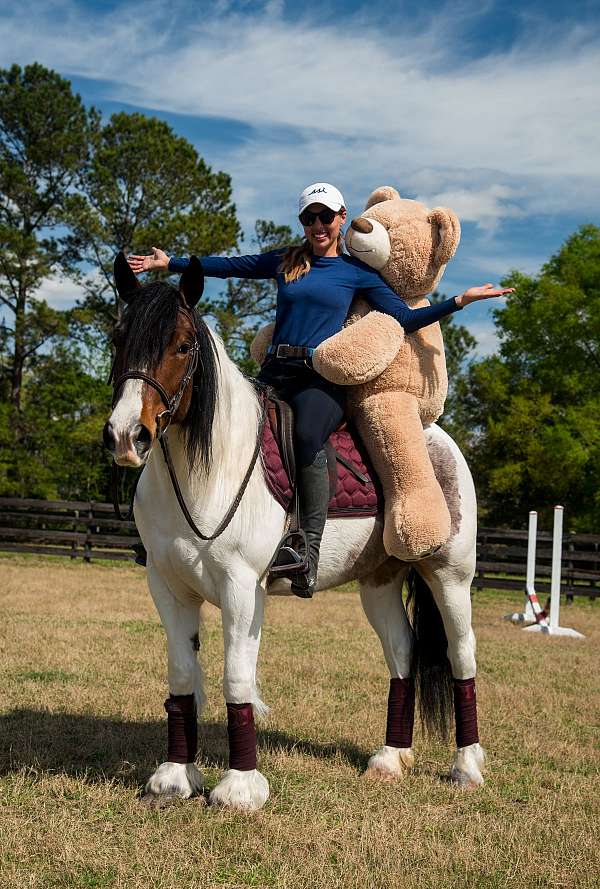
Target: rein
[(166, 417)]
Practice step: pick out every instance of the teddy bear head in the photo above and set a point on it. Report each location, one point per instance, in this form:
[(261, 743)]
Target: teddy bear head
[(407, 243)]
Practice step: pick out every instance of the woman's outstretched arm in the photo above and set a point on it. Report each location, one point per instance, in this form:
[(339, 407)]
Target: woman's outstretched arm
[(260, 265)]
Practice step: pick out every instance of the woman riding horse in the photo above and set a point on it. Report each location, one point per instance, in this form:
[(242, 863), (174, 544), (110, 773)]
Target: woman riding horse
[(316, 283)]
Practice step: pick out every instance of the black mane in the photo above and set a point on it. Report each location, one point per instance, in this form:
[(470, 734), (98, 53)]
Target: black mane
[(142, 335)]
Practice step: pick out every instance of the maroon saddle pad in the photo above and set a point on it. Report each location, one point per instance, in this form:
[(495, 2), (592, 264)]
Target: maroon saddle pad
[(353, 497)]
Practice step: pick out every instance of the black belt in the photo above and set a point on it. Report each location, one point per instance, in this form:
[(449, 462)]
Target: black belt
[(284, 350)]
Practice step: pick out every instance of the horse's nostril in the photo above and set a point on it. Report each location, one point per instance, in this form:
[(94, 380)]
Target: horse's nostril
[(142, 439), (362, 225), (108, 437)]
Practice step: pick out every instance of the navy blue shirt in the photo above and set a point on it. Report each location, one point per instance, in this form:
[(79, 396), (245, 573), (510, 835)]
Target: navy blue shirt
[(315, 307)]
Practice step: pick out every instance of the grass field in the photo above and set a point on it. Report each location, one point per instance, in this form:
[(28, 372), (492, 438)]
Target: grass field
[(82, 726)]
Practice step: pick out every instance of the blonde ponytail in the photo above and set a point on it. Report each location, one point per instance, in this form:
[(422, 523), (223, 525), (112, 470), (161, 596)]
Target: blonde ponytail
[(296, 261)]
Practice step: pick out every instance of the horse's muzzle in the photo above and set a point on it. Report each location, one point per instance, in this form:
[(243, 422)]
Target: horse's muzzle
[(129, 448)]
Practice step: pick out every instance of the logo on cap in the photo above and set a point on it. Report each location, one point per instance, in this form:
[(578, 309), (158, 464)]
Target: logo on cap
[(317, 191)]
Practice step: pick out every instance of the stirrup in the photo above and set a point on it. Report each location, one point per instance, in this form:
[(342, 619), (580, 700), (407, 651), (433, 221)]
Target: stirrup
[(288, 561)]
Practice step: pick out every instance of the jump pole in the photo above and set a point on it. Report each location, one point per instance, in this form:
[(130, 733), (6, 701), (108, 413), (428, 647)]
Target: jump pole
[(528, 615), (552, 627)]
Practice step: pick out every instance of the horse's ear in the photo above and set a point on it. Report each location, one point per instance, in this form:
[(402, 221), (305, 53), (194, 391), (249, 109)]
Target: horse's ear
[(125, 280), (191, 283)]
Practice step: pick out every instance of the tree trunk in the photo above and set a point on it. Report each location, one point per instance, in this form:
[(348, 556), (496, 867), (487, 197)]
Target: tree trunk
[(19, 350)]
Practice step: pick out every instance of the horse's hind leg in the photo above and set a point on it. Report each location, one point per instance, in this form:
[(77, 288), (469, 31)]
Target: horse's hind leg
[(381, 596), (450, 585), (178, 776)]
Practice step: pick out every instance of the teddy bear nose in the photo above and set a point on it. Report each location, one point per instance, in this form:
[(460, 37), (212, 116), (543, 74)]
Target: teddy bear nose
[(362, 225)]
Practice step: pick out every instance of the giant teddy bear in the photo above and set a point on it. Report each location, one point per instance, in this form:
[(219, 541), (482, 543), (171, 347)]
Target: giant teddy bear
[(396, 383)]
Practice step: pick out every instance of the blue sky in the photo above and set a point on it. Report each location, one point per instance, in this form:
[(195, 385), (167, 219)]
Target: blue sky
[(489, 108)]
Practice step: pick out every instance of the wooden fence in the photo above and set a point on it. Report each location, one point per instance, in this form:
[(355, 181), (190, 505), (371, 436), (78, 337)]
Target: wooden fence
[(91, 531), (78, 529)]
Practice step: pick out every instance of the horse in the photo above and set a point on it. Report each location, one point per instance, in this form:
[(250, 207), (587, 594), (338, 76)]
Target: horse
[(175, 385)]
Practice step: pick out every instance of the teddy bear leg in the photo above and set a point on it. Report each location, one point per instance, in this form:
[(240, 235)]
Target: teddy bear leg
[(417, 520)]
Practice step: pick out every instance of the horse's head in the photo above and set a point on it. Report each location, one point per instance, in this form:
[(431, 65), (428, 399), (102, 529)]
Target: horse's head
[(164, 353)]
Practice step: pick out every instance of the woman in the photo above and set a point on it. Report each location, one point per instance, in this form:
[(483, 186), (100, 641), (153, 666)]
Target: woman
[(316, 283)]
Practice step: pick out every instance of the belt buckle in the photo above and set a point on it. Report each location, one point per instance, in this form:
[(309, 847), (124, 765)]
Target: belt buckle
[(281, 346)]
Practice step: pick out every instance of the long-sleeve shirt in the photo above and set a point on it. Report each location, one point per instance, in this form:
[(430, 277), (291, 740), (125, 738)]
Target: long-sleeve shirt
[(314, 307)]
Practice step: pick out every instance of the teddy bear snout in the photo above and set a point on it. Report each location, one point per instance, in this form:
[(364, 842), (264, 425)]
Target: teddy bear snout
[(362, 225)]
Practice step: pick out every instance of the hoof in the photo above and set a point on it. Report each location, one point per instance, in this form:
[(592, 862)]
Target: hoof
[(172, 781), (242, 791), (389, 764), (466, 770)]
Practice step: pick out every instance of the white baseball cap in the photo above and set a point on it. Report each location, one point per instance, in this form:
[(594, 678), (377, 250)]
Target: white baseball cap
[(321, 193)]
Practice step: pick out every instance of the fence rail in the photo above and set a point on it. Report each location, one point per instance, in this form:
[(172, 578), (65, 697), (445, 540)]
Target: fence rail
[(90, 531), (78, 529)]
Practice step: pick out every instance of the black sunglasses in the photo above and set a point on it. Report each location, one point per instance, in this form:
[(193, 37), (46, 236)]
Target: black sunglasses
[(307, 217)]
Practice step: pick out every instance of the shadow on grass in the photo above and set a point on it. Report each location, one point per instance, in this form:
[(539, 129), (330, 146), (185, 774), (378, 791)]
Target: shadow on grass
[(126, 752)]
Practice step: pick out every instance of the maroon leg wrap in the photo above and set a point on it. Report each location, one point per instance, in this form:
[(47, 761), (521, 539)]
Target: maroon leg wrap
[(400, 713), (465, 712), (182, 728), (242, 737)]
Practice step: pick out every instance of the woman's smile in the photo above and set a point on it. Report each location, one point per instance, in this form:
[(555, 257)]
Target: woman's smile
[(323, 237)]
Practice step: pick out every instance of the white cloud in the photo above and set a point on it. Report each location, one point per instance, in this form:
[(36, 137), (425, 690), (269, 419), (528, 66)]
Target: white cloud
[(59, 293), (511, 133), (484, 206), (527, 110)]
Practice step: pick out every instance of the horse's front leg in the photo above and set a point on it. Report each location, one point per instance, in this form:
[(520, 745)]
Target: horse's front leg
[(242, 606), (178, 776)]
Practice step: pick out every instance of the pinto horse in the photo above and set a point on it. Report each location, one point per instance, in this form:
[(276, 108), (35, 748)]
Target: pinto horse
[(175, 384)]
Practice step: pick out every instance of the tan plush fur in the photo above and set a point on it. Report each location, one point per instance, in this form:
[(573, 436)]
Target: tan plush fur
[(331, 357), (397, 384), (391, 410), (261, 342)]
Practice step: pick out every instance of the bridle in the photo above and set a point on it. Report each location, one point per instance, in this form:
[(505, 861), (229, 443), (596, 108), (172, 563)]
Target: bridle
[(165, 417), (171, 403)]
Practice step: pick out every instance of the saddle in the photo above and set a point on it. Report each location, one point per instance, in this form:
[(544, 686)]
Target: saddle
[(355, 490)]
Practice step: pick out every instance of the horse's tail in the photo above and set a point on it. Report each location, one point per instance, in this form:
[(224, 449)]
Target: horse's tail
[(429, 663)]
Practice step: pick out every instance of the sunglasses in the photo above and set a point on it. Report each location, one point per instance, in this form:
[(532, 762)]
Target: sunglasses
[(326, 216)]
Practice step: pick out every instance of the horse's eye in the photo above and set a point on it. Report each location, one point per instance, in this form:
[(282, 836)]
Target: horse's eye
[(183, 349)]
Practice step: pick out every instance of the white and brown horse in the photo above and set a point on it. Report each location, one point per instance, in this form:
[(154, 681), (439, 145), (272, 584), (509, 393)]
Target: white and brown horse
[(172, 371)]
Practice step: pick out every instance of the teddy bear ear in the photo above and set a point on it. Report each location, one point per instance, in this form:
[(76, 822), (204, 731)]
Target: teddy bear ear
[(383, 193), (448, 228)]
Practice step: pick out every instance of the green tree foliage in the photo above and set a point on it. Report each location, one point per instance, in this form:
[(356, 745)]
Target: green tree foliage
[(44, 139), (58, 453), (145, 187), (246, 304), (74, 192), (459, 346), (534, 409)]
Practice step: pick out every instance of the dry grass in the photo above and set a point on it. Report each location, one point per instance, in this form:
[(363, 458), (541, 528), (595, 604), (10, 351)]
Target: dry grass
[(82, 726)]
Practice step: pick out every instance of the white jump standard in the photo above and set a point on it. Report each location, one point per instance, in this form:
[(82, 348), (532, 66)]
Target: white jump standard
[(533, 612)]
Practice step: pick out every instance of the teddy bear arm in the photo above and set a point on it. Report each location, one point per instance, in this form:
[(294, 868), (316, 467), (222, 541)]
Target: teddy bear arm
[(261, 342), (360, 351)]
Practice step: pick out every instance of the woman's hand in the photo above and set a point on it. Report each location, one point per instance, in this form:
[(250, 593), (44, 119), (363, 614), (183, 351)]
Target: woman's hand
[(158, 260), (473, 294)]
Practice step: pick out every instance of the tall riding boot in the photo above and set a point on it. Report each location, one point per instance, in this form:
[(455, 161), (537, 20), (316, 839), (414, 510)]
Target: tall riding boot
[(313, 494)]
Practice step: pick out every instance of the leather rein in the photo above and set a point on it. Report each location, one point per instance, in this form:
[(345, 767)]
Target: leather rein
[(164, 420)]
